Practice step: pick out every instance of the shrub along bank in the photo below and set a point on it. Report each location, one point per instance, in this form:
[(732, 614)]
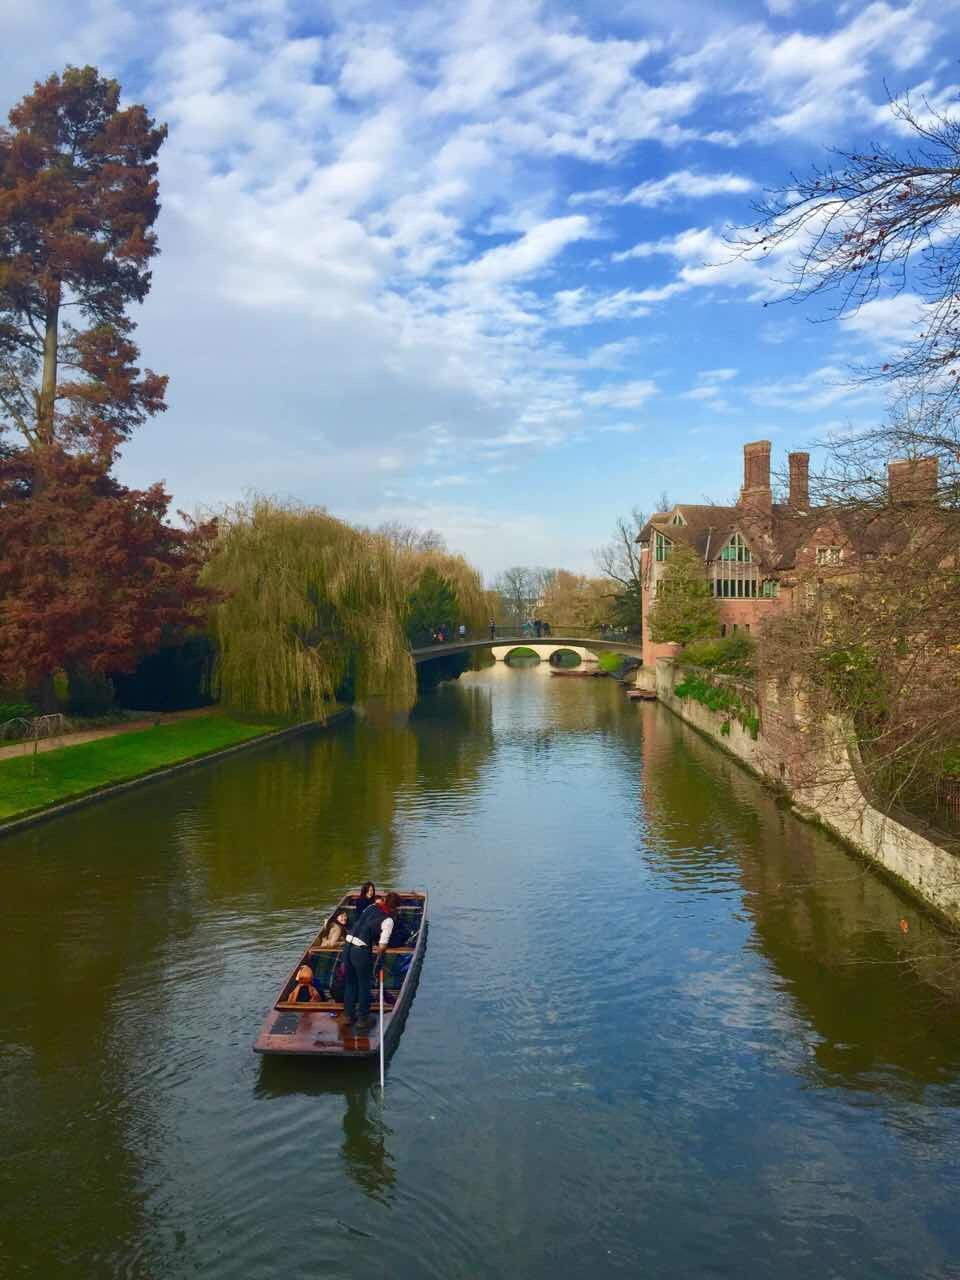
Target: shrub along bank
[(30, 783)]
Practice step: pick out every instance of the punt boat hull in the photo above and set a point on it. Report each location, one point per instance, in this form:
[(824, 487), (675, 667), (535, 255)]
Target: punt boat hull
[(314, 1030)]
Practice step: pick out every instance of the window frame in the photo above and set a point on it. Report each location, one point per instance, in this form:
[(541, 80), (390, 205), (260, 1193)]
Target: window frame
[(662, 547)]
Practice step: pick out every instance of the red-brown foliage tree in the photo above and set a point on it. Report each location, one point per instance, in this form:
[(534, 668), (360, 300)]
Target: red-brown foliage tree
[(91, 576)]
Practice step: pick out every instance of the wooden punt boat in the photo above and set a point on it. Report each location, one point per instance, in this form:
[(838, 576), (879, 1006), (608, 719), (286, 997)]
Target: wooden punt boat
[(582, 675), (313, 1029), (641, 695)]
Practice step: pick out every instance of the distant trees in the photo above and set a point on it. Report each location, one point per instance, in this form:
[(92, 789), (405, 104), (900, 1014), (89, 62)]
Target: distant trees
[(619, 561), (520, 589), (684, 608), (406, 537), (573, 599)]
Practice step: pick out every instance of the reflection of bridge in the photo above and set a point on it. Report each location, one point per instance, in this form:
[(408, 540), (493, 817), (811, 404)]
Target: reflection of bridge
[(584, 645)]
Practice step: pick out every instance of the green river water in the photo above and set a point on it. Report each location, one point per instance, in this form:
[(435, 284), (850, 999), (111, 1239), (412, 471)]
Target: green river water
[(663, 1028)]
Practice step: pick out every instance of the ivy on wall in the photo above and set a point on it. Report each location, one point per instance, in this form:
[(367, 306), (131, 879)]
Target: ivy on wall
[(722, 700)]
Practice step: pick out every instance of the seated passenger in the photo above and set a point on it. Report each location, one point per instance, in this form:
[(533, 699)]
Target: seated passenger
[(304, 992), (335, 930), (366, 896), (400, 937)]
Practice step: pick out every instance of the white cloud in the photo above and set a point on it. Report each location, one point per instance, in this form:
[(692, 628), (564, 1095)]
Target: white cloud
[(624, 395), (687, 184), (813, 391), (887, 323), (528, 255), (582, 306), (811, 85), (371, 69)]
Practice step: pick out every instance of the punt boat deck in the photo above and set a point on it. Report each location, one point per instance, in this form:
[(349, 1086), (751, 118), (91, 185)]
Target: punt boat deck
[(313, 1029)]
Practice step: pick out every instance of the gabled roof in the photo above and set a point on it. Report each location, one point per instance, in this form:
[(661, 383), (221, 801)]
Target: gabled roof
[(775, 538)]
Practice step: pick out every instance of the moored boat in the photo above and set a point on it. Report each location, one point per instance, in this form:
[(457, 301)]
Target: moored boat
[(577, 672), (313, 1029)]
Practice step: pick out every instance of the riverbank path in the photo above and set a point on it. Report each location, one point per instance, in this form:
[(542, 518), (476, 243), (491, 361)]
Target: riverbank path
[(149, 720)]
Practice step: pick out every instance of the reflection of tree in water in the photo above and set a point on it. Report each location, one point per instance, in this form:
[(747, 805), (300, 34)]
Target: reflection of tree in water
[(319, 811), (883, 1003), (365, 1132), (81, 917)]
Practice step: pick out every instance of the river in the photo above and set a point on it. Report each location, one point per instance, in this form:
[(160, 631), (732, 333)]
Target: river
[(663, 1028)]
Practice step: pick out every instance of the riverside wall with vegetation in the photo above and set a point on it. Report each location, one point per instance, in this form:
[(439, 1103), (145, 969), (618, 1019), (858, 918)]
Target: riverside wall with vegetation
[(814, 761)]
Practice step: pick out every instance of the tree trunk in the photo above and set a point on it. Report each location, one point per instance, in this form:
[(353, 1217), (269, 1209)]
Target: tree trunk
[(48, 387), (45, 696)]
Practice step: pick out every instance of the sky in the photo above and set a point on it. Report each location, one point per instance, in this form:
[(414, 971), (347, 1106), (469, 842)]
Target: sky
[(463, 265)]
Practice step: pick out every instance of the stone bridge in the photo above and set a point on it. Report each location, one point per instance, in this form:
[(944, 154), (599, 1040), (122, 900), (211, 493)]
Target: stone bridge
[(585, 647)]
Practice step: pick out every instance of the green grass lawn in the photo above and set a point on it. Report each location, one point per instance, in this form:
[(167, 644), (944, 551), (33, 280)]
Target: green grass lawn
[(29, 783), (609, 661)]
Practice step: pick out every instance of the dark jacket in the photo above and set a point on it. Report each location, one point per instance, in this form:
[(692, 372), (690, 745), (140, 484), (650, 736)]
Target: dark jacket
[(367, 926)]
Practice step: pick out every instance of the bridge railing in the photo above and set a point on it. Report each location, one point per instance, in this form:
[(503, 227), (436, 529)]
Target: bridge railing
[(501, 634)]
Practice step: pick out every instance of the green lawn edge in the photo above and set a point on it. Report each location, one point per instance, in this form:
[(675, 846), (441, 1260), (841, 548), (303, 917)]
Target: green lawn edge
[(31, 784)]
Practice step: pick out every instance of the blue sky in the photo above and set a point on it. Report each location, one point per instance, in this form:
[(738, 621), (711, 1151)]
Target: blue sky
[(462, 264)]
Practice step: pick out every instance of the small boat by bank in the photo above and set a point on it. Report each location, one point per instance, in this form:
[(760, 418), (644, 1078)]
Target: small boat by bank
[(576, 673), (313, 1029), (641, 695)]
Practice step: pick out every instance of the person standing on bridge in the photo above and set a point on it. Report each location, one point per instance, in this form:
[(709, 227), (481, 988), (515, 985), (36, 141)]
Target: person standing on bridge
[(493, 628), (462, 631)]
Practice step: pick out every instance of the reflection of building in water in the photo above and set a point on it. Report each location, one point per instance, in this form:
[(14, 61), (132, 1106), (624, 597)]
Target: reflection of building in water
[(365, 1132), (882, 1003)]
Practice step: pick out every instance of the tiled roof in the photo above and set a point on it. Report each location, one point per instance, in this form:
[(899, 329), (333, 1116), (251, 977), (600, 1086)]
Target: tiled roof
[(774, 537)]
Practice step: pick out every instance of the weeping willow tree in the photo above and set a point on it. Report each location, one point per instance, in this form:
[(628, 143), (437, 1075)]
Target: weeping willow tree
[(304, 602)]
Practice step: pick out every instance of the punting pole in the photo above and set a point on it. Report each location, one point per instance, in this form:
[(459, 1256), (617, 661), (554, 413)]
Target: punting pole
[(381, 1032)]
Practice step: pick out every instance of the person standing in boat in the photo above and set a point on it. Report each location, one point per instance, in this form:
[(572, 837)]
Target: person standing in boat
[(367, 938)]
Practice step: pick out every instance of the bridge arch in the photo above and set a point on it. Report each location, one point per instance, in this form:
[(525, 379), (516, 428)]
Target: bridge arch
[(543, 651)]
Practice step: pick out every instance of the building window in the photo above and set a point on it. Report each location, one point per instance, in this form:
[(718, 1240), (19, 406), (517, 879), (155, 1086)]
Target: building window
[(678, 519), (746, 627), (723, 629), (735, 581), (661, 546), (829, 555), (770, 589), (736, 549)]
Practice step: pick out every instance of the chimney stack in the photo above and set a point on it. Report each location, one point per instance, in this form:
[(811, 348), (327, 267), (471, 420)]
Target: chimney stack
[(756, 476), (912, 479), (799, 497)]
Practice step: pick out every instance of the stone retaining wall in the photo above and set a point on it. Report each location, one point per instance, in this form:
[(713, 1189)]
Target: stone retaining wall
[(815, 760)]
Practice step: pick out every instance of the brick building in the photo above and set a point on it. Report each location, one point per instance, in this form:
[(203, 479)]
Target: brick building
[(760, 554)]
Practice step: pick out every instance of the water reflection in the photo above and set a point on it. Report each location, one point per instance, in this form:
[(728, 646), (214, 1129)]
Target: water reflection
[(364, 1150), (881, 1004)]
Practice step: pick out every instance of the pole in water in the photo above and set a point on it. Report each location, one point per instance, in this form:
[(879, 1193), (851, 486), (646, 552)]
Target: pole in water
[(381, 1033)]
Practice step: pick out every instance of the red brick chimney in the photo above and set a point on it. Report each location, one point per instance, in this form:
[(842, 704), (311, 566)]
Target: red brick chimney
[(912, 479), (799, 497), (756, 476)]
